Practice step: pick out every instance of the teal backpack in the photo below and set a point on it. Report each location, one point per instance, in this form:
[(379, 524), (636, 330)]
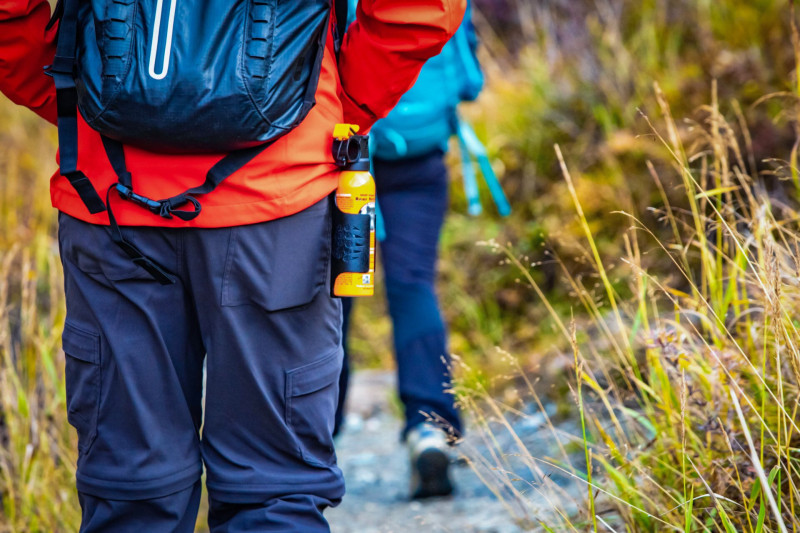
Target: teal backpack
[(426, 116)]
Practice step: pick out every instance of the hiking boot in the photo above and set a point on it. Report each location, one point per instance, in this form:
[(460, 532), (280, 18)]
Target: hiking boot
[(430, 461)]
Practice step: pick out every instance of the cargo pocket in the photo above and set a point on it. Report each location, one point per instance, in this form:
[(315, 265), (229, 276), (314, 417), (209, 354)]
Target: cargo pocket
[(83, 377), (311, 395), (280, 264)]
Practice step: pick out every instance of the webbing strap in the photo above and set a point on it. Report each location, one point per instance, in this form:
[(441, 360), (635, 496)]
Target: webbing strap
[(340, 11), (166, 208), (469, 176), (62, 71), (158, 272), (116, 156), (216, 175), (58, 12), (169, 207), (225, 167), (471, 146)]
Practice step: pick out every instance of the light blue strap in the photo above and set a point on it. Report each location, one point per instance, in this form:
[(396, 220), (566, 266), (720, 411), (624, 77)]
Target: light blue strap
[(470, 143), (496, 190), (398, 142), (351, 11), (469, 62), (380, 227), (474, 206)]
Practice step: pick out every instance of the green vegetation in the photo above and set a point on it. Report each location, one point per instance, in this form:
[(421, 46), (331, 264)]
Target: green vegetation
[(37, 447), (647, 280), (692, 383), (676, 248)]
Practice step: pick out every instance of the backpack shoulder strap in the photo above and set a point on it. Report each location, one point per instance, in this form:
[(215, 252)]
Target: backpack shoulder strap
[(62, 71), (465, 42), (340, 12)]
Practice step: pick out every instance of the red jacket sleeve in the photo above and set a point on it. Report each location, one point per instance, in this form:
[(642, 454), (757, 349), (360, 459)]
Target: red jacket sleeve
[(385, 48), (25, 49)]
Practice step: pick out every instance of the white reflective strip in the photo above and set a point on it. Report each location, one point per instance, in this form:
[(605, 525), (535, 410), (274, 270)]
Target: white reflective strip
[(154, 46)]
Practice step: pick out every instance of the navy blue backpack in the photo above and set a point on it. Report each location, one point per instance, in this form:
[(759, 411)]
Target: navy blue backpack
[(181, 77), (192, 76)]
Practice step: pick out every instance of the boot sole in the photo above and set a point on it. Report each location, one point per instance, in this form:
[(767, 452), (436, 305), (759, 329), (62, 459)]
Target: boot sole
[(434, 478)]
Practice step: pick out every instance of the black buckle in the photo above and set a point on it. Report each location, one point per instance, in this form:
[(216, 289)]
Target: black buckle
[(126, 193), (163, 208)]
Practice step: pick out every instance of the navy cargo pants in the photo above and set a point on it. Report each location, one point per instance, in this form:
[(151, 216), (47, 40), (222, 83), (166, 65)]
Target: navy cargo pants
[(252, 303), (413, 199)]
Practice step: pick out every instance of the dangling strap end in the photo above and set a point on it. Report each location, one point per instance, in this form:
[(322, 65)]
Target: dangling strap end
[(158, 273)]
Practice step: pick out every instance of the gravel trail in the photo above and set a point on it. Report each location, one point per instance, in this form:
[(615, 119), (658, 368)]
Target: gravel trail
[(376, 469)]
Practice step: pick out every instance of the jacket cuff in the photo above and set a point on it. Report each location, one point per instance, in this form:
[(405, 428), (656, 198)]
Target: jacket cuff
[(356, 114)]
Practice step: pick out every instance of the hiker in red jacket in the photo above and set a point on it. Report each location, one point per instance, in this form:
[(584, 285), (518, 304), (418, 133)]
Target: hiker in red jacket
[(194, 229)]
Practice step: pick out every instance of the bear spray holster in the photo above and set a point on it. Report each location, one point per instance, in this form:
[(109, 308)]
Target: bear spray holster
[(350, 245), (353, 239)]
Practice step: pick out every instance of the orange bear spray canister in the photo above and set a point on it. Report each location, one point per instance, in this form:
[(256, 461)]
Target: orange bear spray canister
[(353, 252)]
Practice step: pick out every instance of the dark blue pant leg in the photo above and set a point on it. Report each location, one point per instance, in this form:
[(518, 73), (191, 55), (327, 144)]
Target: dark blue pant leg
[(273, 337), (286, 514), (413, 198), (344, 377), (422, 359), (134, 382), (175, 512)]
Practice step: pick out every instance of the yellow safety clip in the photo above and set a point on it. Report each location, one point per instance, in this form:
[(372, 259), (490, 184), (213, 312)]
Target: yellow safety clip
[(342, 132)]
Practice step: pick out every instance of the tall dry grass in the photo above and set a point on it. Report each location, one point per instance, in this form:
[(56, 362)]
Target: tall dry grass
[(687, 389), (37, 446), (675, 249)]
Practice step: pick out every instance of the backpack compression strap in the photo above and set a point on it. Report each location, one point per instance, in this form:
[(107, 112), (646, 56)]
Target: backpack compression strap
[(62, 71)]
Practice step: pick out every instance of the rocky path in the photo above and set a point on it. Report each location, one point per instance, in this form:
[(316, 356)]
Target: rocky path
[(375, 465)]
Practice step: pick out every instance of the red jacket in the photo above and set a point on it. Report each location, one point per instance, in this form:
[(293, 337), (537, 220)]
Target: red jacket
[(380, 58)]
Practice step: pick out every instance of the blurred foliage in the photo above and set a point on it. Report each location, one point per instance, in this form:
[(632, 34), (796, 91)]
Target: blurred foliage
[(37, 447)]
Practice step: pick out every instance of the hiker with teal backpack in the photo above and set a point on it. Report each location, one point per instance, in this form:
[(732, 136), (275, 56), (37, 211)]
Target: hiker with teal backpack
[(408, 150)]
